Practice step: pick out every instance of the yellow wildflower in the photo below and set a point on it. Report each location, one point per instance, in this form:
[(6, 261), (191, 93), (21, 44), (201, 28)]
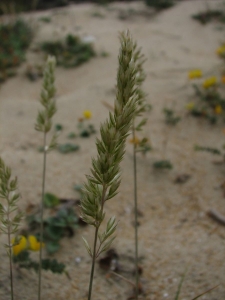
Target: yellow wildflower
[(20, 246), (218, 109), (209, 82), (34, 245), (195, 74), (87, 114), (221, 50), (135, 141), (190, 106)]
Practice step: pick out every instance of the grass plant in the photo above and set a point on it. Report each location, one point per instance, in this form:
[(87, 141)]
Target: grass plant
[(104, 182), (10, 216), (44, 124), (141, 108)]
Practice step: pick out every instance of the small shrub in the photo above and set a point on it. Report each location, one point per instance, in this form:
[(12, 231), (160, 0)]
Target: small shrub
[(15, 39), (70, 53), (159, 4)]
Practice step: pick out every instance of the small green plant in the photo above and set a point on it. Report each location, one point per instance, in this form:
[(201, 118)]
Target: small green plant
[(15, 39), (212, 150), (163, 164), (212, 102), (85, 129), (55, 226), (10, 216), (21, 256), (170, 117), (70, 53), (208, 16), (159, 4), (45, 19), (67, 148)]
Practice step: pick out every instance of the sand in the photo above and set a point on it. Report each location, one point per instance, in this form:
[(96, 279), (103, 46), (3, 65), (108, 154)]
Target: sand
[(175, 231)]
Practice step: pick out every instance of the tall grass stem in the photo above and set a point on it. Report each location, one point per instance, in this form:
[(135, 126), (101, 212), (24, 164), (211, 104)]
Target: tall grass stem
[(10, 265), (93, 264), (135, 215), (41, 215)]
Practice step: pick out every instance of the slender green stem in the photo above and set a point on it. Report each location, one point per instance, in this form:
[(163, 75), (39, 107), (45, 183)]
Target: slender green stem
[(95, 245), (10, 265), (93, 264), (135, 215), (42, 212)]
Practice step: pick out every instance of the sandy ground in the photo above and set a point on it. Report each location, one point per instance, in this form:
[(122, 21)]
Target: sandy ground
[(175, 231)]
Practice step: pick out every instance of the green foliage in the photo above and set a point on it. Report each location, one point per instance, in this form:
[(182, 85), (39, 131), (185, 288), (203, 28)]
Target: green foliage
[(63, 223), (170, 117), (45, 19), (163, 164), (70, 53), (15, 39), (211, 105), (143, 146), (24, 261), (208, 149), (85, 130), (58, 127), (50, 200), (210, 15), (159, 4), (67, 148)]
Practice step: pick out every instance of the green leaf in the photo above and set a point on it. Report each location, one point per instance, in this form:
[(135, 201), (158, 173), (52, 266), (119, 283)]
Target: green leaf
[(87, 247), (50, 200), (52, 247)]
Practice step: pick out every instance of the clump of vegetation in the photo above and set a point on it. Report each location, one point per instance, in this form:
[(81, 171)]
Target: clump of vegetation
[(211, 150), (210, 15), (159, 4), (163, 164), (15, 39), (60, 220), (70, 53), (21, 255), (170, 116), (212, 101)]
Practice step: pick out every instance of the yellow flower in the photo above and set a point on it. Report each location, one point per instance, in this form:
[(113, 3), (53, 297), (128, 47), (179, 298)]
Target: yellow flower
[(20, 246), (218, 109), (195, 74), (190, 106), (221, 50), (209, 82), (135, 141), (34, 245), (87, 114)]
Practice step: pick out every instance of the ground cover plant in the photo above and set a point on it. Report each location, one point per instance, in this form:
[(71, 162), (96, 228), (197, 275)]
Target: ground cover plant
[(210, 92), (159, 4), (210, 14), (15, 39), (70, 53)]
